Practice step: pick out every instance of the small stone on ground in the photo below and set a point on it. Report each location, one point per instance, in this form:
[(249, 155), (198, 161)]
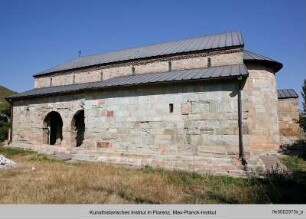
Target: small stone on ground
[(6, 163)]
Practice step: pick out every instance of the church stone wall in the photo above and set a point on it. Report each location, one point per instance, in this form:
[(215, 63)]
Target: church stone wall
[(116, 72), (288, 114), (42, 82), (135, 125), (261, 129), (141, 67), (29, 115), (61, 80), (152, 67), (86, 76)]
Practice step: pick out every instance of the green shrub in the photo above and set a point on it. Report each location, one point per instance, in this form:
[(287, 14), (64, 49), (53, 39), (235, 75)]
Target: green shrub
[(4, 128), (295, 163)]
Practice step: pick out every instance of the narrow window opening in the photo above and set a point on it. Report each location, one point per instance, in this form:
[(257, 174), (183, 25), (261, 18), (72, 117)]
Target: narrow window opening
[(209, 62), (50, 82), (73, 79), (170, 66), (133, 70), (101, 76), (171, 108)]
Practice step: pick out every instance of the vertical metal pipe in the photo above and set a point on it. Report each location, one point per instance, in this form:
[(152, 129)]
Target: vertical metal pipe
[(241, 149), (11, 122)]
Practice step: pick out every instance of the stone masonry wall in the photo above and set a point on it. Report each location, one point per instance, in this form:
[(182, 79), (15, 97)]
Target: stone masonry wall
[(138, 122), (42, 82), (181, 62), (87, 76), (29, 115), (288, 114), (261, 129)]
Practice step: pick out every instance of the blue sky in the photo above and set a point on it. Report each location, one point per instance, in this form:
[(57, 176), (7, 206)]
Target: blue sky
[(36, 35)]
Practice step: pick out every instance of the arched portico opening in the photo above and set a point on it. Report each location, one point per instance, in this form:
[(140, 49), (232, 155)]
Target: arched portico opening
[(52, 127), (78, 128)]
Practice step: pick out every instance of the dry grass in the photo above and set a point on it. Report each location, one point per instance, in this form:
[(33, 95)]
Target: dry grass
[(58, 182)]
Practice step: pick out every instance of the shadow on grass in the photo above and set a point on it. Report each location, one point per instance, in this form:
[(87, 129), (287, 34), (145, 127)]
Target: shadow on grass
[(284, 188), (275, 187), (298, 148), (287, 187)]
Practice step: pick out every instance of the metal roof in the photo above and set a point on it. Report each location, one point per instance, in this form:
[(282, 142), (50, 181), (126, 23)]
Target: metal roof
[(249, 56), (221, 72), (286, 93), (209, 42)]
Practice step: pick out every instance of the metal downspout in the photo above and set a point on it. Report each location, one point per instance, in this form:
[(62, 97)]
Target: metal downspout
[(11, 123), (241, 149)]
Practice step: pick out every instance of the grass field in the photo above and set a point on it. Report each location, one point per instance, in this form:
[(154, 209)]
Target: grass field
[(58, 182)]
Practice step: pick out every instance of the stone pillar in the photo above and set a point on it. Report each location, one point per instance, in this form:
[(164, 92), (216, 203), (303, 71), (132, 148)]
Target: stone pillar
[(66, 117), (260, 106)]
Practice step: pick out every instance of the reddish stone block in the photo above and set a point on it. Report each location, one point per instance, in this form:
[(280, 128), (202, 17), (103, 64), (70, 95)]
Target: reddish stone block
[(162, 149), (186, 108), (110, 113), (103, 144)]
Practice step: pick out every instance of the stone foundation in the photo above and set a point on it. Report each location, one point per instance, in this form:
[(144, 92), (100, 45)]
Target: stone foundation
[(209, 165)]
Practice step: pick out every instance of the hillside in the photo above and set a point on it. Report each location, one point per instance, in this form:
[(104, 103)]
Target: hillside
[(4, 92), (4, 105)]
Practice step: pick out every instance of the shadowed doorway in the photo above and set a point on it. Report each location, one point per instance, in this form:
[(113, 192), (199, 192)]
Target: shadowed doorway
[(78, 128), (52, 127)]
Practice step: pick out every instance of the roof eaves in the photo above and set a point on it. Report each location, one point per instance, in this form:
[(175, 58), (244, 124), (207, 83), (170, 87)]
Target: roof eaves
[(212, 73), (215, 79), (251, 57), (286, 94)]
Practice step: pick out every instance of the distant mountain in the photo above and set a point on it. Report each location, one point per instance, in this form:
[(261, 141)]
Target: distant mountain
[(5, 92)]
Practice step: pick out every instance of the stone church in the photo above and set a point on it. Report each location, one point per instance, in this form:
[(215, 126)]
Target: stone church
[(202, 104)]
